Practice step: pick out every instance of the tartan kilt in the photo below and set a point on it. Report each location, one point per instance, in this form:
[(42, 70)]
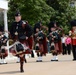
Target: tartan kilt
[(42, 47), (58, 47), (31, 42), (21, 52), (3, 53)]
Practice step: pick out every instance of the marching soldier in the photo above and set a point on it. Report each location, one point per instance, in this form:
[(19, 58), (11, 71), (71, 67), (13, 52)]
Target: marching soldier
[(55, 40), (72, 33), (3, 43), (21, 32), (40, 41)]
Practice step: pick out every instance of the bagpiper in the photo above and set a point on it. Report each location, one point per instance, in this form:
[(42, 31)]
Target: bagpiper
[(40, 41), (20, 32), (3, 44), (55, 40)]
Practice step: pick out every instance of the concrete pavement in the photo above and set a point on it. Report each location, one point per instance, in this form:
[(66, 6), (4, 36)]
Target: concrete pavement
[(65, 66)]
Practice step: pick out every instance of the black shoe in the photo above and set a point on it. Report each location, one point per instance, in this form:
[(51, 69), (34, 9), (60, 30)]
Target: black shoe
[(37, 60), (40, 61), (5, 63), (74, 59), (21, 70), (25, 61), (54, 60), (17, 62)]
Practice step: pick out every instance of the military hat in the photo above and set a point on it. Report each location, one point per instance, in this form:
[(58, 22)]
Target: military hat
[(51, 24), (37, 25), (17, 14), (73, 23)]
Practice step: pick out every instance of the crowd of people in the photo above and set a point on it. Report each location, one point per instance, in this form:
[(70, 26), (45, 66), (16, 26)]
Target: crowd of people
[(25, 39)]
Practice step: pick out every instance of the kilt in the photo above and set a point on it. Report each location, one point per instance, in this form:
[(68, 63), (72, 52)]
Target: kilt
[(30, 42), (20, 53), (3, 52), (42, 46), (57, 47)]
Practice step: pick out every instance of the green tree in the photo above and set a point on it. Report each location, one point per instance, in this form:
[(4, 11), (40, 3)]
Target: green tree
[(31, 10), (64, 12)]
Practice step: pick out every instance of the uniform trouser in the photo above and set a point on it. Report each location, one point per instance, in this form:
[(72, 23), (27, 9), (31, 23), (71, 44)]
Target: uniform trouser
[(69, 49), (64, 48), (74, 51), (48, 47)]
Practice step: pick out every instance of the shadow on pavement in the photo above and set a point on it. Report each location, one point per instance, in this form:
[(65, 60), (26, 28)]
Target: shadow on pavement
[(44, 61), (10, 72)]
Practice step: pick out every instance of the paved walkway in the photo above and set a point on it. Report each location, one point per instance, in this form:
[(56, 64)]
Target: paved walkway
[(65, 66)]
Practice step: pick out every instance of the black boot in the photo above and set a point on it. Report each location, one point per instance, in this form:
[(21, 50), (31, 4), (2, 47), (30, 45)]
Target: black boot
[(21, 67), (21, 64), (25, 61)]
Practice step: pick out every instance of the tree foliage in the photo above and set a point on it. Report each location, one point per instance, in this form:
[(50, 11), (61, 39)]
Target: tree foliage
[(36, 10), (31, 10), (64, 12)]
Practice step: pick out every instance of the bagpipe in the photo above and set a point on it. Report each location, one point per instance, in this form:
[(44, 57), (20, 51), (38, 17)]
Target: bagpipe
[(39, 36), (53, 36), (40, 42)]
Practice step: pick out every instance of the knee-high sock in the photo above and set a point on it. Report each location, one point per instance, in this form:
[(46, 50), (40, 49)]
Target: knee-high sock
[(21, 63), (38, 54)]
